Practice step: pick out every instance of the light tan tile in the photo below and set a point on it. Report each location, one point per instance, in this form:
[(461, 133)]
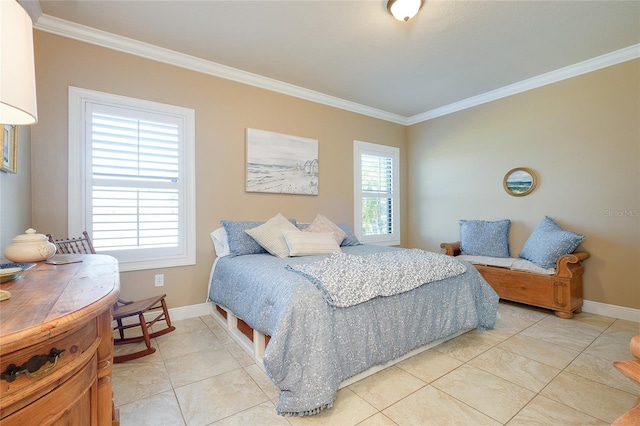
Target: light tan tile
[(199, 365), (182, 326), (491, 395), (525, 372), (210, 321), (463, 347), (542, 411), (129, 348), (158, 410), (564, 333), (602, 371), (174, 345), (491, 337), (429, 365), (539, 350), (131, 381), (592, 398), (544, 345), (218, 397), (612, 345), (430, 406), (263, 381), (386, 387), (348, 409), (263, 414), (378, 419), (620, 324), (521, 315), (593, 319), (243, 358)]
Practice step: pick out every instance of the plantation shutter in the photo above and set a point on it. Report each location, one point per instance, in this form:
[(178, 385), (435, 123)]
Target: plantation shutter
[(377, 194), (135, 179)]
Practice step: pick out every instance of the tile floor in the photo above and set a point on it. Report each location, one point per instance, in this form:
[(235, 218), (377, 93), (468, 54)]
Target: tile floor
[(532, 369)]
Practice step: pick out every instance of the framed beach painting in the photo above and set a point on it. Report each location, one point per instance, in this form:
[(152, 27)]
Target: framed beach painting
[(281, 164), (9, 148)]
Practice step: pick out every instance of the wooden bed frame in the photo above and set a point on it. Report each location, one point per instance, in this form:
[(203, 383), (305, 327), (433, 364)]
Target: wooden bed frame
[(560, 292)]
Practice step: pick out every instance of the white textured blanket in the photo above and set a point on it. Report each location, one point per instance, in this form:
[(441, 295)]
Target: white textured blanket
[(347, 280)]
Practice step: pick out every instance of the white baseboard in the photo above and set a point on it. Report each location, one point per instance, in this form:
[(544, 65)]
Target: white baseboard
[(176, 314), (614, 311), (191, 311)]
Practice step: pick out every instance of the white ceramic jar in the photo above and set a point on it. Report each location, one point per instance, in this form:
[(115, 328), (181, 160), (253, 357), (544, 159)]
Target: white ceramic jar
[(30, 247)]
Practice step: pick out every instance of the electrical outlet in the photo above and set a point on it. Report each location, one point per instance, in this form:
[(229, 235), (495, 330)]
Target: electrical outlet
[(159, 280)]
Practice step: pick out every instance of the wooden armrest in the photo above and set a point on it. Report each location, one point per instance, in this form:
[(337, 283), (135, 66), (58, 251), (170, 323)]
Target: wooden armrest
[(630, 368), (451, 249), (568, 264), (634, 346)]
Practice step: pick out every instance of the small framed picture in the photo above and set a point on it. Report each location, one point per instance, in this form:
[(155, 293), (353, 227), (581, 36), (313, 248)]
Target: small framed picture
[(9, 145)]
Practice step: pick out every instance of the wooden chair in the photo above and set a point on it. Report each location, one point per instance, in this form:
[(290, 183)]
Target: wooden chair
[(126, 314), (631, 369)]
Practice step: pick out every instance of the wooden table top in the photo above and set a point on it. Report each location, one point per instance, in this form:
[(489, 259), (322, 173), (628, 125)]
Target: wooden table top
[(48, 300)]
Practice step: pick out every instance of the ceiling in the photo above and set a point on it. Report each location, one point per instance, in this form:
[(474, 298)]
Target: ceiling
[(357, 52)]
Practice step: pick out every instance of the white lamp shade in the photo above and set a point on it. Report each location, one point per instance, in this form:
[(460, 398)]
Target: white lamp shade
[(403, 10), (17, 72)]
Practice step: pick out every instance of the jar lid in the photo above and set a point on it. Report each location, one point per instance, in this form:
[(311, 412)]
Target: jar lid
[(30, 236)]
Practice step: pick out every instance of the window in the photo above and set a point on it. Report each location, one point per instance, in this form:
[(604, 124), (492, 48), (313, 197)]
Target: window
[(377, 195), (131, 178)]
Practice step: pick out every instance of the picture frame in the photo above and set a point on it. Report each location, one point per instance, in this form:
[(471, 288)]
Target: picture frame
[(9, 148), (520, 181), (280, 163)]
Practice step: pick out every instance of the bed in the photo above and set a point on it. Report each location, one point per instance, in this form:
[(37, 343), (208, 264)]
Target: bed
[(309, 346)]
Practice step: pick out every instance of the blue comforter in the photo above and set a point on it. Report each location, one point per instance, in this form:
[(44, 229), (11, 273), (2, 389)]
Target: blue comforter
[(314, 346)]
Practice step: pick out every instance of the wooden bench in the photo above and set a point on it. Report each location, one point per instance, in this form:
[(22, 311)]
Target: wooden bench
[(560, 292)]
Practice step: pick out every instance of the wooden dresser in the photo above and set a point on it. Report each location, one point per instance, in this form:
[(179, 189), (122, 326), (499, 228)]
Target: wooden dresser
[(56, 344)]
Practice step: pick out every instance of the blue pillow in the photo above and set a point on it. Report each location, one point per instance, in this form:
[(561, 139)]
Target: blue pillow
[(239, 241), (548, 242), (485, 238), (350, 239)]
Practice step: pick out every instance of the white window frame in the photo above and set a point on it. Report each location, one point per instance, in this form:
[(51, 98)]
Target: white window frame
[(366, 148), (79, 215)]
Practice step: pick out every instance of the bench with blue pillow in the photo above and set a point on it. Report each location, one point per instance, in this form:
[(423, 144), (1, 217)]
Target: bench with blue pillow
[(547, 274)]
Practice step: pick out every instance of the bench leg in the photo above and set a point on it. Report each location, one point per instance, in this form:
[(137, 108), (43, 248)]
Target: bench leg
[(565, 315)]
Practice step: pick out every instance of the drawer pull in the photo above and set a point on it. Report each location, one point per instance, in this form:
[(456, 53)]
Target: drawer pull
[(31, 367)]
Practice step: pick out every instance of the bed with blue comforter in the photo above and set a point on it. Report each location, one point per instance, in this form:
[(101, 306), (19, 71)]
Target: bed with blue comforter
[(321, 337)]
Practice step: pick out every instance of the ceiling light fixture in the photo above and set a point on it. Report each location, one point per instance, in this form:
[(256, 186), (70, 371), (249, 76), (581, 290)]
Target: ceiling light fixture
[(403, 10)]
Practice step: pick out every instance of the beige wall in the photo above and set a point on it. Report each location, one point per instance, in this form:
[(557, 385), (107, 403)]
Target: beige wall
[(582, 137), (224, 110), (15, 194)]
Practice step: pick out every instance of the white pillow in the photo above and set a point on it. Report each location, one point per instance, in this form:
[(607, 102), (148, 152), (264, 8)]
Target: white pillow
[(323, 224), (310, 243), (220, 242), (269, 235), (528, 266)]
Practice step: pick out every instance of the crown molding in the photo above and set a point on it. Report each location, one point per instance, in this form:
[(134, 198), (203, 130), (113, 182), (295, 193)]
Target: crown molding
[(101, 38), (108, 40), (603, 61)]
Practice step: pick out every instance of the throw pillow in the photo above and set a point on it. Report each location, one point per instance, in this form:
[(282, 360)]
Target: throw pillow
[(310, 243), (485, 238), (239, 242), (548, 242), (323, 224), (269, 235), (351, 239), (220, 242)]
